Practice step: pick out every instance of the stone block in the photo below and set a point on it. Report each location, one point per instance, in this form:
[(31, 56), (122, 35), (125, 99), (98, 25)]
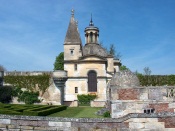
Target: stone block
[(171, 105), (152, 119), (134, 125), (59, 124), (27, 127), (155, 125), (144, 96), (169, 129), (2, 126), (139, 120), (13, 127), (155, 94), (5, 121)]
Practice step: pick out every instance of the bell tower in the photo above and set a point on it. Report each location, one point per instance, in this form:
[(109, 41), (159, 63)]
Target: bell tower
[(91, 33), (72, 43)]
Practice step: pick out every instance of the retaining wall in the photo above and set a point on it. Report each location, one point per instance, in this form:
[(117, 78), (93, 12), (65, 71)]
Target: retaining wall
[(136, 122)]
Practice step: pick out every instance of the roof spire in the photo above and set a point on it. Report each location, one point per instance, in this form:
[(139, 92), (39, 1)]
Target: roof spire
[(72, 35), (72, 12), (91, 22)]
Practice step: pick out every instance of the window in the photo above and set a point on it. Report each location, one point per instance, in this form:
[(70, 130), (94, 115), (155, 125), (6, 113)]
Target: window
[(71, 51), (76, 89), (75, 67), (92, 81), (91, 37)]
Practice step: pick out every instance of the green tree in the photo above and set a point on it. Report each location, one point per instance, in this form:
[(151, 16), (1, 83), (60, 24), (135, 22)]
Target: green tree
[(123, 67), (113, 52), (59, 62)]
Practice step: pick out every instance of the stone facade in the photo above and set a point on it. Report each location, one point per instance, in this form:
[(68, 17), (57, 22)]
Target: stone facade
[(80, 61)]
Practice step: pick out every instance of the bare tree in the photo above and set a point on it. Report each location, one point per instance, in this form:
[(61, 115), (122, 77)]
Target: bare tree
[(147, 71)]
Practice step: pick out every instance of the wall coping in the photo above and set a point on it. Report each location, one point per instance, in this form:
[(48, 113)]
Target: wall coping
[(90, 120)]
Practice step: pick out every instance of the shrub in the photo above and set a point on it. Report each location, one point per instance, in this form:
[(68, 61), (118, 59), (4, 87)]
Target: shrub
[(29, 97), (5, 94), (107, 114), (85, 99)]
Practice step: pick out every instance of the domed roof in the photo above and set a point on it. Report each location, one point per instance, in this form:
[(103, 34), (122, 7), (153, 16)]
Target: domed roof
[(94, 49), (125, 79)]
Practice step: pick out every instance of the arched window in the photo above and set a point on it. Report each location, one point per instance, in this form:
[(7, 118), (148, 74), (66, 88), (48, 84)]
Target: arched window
[(92, 81), (91, 37)]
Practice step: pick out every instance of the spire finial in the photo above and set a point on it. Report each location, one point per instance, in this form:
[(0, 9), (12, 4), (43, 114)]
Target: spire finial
[(91, 22), (72, 12)]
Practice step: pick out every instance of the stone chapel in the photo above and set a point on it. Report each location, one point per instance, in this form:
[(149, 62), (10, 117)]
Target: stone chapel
[(89, 67)]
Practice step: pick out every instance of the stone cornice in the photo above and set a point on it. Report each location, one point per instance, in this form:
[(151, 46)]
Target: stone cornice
[(86, 61)]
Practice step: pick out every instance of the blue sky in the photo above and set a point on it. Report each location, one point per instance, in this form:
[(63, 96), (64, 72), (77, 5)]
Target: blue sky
[(32, 32)]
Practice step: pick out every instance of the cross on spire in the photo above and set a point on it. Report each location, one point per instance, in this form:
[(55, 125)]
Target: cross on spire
[(72, 12)]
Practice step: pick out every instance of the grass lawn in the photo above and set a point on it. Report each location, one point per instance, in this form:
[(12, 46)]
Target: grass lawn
[(78, 112)]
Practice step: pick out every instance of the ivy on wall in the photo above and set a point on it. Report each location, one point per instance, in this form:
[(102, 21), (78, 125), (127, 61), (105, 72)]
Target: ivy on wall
[(156, 80), (32, 83)]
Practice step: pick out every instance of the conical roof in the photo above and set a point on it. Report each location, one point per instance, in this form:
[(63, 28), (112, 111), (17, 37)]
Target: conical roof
[(72, 35)]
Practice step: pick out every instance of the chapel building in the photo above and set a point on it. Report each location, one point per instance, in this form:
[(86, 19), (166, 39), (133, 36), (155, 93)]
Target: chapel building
[(89, 67)]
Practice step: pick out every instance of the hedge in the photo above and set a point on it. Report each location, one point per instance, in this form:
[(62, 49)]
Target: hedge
[(156, 80), (10, 112), (44, 112)]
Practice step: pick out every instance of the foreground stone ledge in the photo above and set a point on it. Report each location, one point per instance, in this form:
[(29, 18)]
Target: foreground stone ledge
[(6, 119), (134, 121)]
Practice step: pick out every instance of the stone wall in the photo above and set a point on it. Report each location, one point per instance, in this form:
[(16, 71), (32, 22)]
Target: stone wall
[(135, 122), (136, 100)]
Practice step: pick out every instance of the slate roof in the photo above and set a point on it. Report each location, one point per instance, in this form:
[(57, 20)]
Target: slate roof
[(72, 35), (94, 49)]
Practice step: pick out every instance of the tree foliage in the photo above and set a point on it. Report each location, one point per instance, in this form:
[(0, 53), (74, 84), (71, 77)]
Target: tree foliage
[(5, 94), (59, 62), (31, 83), (112, 51), (123, 68)]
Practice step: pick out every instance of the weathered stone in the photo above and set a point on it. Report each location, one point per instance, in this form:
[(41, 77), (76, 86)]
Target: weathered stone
[(59, 124), (161, 107), (125, 79), (128, 94), (155, 94), (135, 125), (169, 122), (5, 121), (155, 125)]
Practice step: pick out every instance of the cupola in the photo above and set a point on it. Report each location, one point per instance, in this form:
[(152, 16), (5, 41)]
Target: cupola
[(91, 33)]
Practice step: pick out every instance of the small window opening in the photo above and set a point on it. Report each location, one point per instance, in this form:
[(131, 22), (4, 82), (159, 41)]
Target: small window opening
[(71, 52), (75, 67), (91, 37), (76, 89)]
